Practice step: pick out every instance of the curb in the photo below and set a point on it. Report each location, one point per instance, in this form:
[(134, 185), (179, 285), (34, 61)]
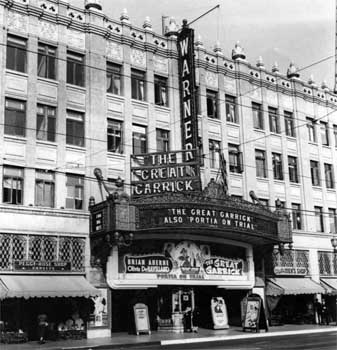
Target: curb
[(110, 346), (244, 336)]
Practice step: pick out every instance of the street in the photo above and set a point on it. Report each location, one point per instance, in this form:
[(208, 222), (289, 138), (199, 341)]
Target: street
[(325, 341)]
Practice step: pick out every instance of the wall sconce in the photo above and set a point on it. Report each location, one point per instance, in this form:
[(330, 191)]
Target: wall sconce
[(123, 239), (334, 244)]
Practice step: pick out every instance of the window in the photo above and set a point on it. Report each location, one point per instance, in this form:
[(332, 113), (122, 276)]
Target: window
[(75, 185), (113, 78), (15, 117), (214, 149), (44, 189), (163, 140), (160, 91), (289, 124), (332, 220), (139, 139), (311, 130), (212, 101), (231, 115), (75, 129), (45, 123), (264, 202), (277, 166), (274, 123), (335, 134), (324, 134), (319, 219), (292, 169), (260, 160), (75, 69), (115, 136), (329, 178), (257, 115), (235, 159), (314, 170), (46, 60), (16, 54), (296, 216), (12, 185), (137, 85)]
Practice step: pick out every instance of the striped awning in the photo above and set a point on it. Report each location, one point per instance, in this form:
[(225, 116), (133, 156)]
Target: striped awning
[(292, 286), (330, 285), (30, 286)]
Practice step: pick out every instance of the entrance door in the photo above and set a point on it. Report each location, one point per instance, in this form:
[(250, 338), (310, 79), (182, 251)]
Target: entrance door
[(182, 299)]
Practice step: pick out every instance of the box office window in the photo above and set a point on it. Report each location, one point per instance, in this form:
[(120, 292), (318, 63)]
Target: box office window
[(113, 78), (15, 117), (115, 136), (12, 185), (160, 91), (139, 139), (44, 188), (46, 61), (75, 190), (137, 85), (16, 54), (45, 123), (212, 104), (163, 140), (231, 112), (75, 129), (75, 69)]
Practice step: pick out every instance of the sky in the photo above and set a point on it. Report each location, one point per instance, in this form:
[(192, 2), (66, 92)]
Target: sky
[(299, 31)]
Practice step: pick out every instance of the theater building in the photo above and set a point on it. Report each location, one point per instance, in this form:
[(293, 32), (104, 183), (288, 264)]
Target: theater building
[(203, 153)]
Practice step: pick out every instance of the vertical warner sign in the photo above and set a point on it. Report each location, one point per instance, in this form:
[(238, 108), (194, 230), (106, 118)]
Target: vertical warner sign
[(189, 120)]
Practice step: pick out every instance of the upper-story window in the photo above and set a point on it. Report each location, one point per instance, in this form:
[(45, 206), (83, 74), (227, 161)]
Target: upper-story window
[(160, 91), (15, 117), (75, 185), (214, 155), (335, 134), (292, 169), (235, 159), (44, 188), (324, 134), (138, 85), (16, 54), (75, 128), (231, 113), (163, 140), (115, 136), (296, 216), (212, 104), (257, 116), (12, 185), (261, 164), (289, 124), (45, 123), (329, 176), (332, 220), (311, 127), (139, 139), (274, 120), (277, 166), (319, 219), (113, 78), (46, 61), (75, 69), (314, 170)]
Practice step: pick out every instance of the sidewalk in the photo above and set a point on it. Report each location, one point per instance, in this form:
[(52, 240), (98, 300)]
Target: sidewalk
[(159, 338)]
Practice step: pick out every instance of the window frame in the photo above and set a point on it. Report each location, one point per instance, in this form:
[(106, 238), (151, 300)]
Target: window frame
[(231, 109), (214, 147), (50, 61), (277, 164), (324, 129), (73, 123), (293, 169), (319, 219), (41, 177), (20, 113), (329, 176), (311, 127), (289, 124), (138, 85), (114, 73), (17, 179), (77, 186), (258, 122), (113, 136), (162, 140), (48, 119), (212, 104), (16, 45), (274, 120), (141, 137), (261, 159), (296, 214), (315, 173), (332, 220), (235, 159), (75, 69), (161, 91)]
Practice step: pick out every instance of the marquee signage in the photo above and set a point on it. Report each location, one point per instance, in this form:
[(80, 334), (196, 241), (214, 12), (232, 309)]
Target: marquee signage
[(158, 173), (221, 266), (284, 270), (147, 264), (32, 265), (189, 122)]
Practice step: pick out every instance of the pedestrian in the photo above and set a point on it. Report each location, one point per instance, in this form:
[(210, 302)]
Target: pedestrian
[(325, 314), (188, 319), (318, 311), (42, 325)]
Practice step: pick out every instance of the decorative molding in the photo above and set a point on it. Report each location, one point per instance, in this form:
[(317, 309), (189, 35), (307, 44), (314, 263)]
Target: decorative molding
[(160, 64), (77, 16), (113, 50), (48, 7), (137, 35), (75, 39), (47, 30), (211, 79), (17, 21), (138, 58)]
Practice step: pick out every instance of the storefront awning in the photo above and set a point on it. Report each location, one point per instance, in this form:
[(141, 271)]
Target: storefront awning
[(18, 286), (292, 286), (330, 285)]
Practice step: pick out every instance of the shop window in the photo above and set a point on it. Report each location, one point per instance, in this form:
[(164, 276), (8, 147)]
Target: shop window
[(139, 139), (257, 116), (212, 102), (314, 170), (115, 136), (16, 54), (78, 254), (160, 91), (75, 69), (15, 117), (311, 127), (44, 189), (329, 176), (163, 140), (327, 263), (137, 85), (332, 220), (296, 214), (35, 248), (75, 189), (113, 78), (277, 166), (5, 251), (293, 169), (75, 129), (19, 247), (46, 123), (12, 185), (324, 134), (319, 219), (65, 250), (261, 165), (235, 159), (214, 153), (289, 124), (274, 120), (231, 112), (46, 61)]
